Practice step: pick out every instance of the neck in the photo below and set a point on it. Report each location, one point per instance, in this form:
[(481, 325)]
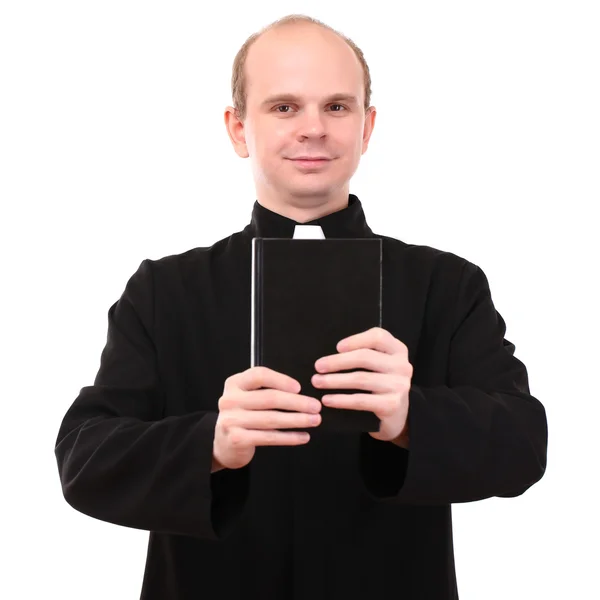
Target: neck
[(306, 208)]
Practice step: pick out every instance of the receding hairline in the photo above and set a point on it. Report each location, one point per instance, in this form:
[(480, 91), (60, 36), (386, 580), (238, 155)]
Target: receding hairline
[(239, 69), (298, 21), (299, 24), (273, 27)]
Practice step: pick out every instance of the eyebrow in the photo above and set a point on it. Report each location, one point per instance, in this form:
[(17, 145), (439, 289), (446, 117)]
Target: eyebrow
[(349, 98)]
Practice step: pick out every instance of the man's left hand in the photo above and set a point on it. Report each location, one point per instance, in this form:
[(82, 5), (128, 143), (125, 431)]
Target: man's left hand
[(387, 357)]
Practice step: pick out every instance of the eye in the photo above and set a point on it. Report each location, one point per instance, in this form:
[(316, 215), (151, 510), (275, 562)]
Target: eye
[(288, 106)]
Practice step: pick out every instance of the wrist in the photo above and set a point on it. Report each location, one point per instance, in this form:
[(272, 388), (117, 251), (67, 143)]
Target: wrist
[(403, 439), (216, 465)]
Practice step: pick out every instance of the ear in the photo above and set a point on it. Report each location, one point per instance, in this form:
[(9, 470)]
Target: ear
[(235, 130), (368, 128)]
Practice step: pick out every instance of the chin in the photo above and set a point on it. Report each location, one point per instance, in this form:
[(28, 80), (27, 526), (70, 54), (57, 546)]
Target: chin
[(310, 190)]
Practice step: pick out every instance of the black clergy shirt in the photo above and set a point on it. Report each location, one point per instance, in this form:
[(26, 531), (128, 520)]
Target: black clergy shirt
[(342, 517)]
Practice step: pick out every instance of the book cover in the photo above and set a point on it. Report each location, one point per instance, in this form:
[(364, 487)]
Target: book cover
[(307, 295)]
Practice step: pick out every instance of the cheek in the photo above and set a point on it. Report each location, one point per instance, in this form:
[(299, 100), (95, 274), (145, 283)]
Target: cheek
[(273, 143), (281, 140), (348, 139)]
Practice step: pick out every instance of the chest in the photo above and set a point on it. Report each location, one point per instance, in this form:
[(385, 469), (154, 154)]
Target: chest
[(204, 326)]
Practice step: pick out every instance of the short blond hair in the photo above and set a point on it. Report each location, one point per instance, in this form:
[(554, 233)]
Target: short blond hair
[(238, 77)]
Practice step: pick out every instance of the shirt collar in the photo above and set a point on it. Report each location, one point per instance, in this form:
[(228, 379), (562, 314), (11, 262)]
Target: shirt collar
[(349, 222)]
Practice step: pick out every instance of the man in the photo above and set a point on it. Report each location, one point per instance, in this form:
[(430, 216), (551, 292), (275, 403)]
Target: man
[(177, 437)]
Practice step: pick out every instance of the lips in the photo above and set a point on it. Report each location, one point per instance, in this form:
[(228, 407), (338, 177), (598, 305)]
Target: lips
[(310, 158), (310, 164)]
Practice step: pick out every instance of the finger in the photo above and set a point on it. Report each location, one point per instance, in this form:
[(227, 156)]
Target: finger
[(379, 383), (269, 399), (375, 338), (262, 377), (256, 437), (362, 358), (268, 419), (380, 405), (278, 438)]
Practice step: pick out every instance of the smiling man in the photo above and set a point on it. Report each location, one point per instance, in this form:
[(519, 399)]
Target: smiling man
[(179, 437), (303, 117)]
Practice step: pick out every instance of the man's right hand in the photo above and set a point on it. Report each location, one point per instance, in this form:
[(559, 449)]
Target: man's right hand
[(247, 419)]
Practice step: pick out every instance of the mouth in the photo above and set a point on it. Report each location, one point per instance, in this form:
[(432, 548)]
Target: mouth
[(310, 163)]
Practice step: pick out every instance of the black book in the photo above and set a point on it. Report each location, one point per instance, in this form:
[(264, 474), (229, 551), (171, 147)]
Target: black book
[(307, 295)]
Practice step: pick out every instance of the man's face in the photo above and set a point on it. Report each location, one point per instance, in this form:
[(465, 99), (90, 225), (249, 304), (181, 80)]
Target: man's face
[(311, 65)]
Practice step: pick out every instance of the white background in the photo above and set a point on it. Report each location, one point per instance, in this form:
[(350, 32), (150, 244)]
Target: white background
[(113, 149)]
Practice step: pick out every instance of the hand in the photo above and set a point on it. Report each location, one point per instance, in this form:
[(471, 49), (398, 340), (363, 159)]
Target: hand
[(377, 350), (247, 419)]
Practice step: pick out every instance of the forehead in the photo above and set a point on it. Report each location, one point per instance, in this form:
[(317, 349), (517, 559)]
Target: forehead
[(306, 61)]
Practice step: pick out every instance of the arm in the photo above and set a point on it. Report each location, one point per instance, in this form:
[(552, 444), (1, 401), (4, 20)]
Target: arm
[(482, 435), (120, 461)]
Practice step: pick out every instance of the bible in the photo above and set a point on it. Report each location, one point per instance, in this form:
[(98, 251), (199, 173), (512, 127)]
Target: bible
[(307, 295)]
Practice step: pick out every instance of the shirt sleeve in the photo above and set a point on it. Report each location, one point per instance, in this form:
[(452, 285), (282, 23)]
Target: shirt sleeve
[(121, 460), (482, 435)]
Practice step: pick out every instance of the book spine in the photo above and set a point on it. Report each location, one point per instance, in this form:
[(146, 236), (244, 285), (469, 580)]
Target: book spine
[(380, 283), (256, 315)]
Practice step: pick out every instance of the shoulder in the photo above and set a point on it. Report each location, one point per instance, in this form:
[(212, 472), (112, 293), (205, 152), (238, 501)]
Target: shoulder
[(436, 263), (189, 262)]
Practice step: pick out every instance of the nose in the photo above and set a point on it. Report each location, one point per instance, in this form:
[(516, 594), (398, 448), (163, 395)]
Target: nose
[(311, 123)]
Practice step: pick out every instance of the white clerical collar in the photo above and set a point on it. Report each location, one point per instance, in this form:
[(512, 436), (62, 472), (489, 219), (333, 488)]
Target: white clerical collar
[(309, 232)]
